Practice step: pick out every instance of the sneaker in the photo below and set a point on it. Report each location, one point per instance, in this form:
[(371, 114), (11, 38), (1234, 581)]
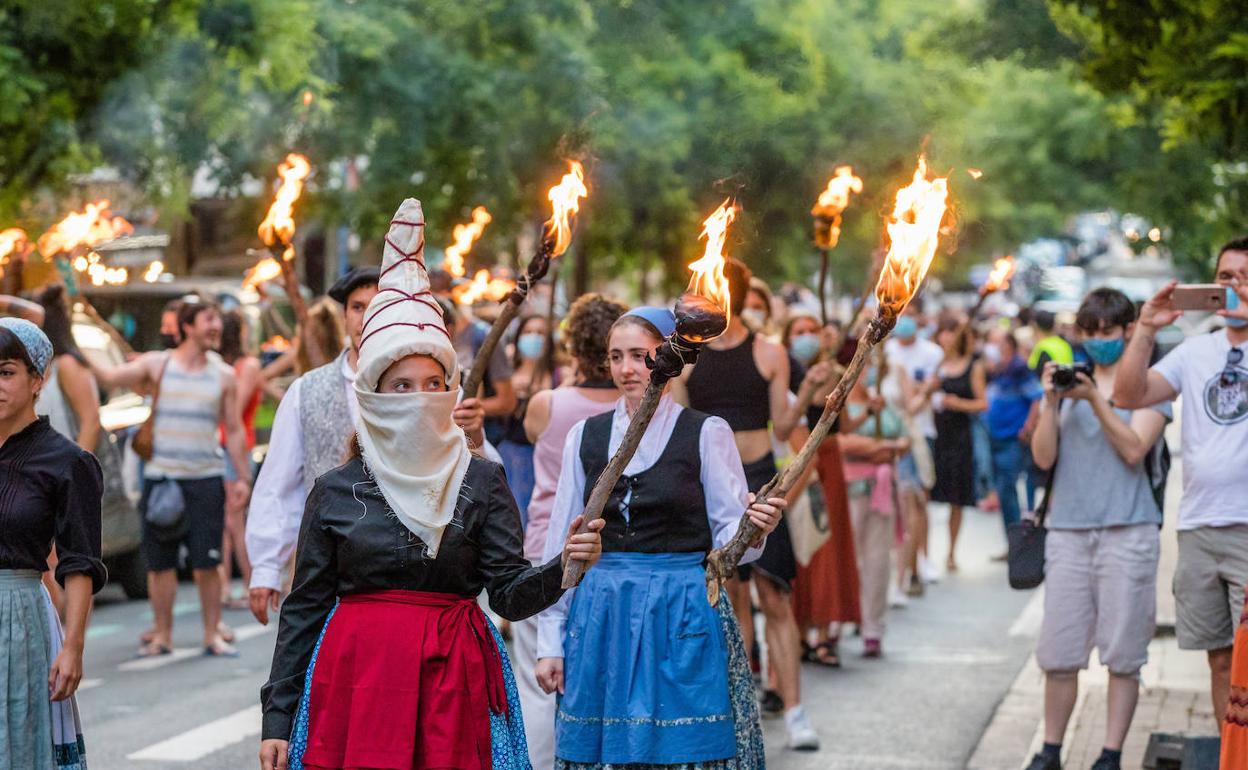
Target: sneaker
[(802, 736), (1044, 762), (1105, 763), (927, 571), (915, 589), (897, 600), (871, 648), (772, 703)]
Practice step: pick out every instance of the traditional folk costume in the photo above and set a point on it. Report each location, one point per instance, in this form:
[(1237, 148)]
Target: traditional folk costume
[(654, 676), (384, 658), (1235, 725), (50, 491)]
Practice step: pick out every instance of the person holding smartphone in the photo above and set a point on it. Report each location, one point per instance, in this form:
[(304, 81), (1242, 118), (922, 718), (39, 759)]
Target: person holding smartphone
[(1103, 544), (1211, 373)]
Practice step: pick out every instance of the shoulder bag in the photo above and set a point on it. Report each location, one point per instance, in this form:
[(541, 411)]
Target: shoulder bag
[(1026, 538), (143, 438)]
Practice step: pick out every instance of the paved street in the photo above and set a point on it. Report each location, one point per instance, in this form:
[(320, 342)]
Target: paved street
[(949, 659)]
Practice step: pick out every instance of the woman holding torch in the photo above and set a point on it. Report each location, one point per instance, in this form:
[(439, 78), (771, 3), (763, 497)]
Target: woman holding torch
[(383, 657), (651, 675)]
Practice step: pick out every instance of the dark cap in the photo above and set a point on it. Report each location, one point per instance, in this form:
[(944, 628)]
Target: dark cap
[(360, 276)]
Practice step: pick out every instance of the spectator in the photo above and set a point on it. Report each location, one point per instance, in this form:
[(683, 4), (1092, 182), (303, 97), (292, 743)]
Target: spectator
[(1013, 391), (498, 397), (1103, 543), (1212, 375), (250, 389), (1050, 346)]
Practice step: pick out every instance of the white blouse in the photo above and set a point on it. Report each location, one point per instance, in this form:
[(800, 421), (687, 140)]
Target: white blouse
[(722, 477)]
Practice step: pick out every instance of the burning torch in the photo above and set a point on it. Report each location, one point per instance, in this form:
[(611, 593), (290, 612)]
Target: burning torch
[(913, 233), (701, 316), (827, 213), (565, 199), (278, 228), (998, 280), (14, 244), (465, 235)]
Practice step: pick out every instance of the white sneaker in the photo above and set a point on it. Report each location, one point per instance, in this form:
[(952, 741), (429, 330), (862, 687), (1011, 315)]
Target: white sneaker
[(927, 571), (897, 598), (802, 737)]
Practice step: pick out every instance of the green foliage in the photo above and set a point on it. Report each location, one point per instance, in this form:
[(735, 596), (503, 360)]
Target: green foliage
[(673, 106)]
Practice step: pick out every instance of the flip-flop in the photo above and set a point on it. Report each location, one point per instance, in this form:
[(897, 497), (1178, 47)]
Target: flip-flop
[(224, 651), (225, 632), (826, 655), (151, 650)]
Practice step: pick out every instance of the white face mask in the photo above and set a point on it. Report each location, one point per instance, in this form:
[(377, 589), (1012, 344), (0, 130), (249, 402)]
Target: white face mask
[(417, 455), (754, 318), (992, 352)]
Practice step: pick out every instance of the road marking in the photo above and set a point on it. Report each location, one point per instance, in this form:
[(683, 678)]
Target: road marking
[(87, 684), (98, 630), (203, 740), (241, 634), (1028, 621)]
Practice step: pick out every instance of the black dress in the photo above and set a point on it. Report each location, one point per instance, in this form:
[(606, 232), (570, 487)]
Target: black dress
[(351, 543), (955, 455)]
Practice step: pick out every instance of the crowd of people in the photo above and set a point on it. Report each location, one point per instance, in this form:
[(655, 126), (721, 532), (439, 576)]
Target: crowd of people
[(390, 501)]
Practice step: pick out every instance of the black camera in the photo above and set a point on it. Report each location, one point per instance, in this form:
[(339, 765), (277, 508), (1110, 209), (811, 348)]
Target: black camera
[(1065, 376)]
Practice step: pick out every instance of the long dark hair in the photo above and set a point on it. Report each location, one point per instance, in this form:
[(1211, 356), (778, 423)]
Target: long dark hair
[(232, 342), (58, 324)]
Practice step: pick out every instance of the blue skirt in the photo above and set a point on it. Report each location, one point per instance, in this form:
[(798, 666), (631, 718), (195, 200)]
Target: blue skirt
[(646, 666), (508, 748)]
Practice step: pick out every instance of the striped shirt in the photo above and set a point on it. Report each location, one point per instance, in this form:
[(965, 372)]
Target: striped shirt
[(186, 444)]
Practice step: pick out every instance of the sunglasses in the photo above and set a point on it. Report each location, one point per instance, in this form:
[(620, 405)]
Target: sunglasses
[(1230, 375)]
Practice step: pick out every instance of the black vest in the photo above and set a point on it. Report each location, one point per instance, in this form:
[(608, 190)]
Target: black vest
[(667, 508)]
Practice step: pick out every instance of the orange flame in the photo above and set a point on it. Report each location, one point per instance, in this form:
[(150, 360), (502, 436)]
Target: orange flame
[(975, 173), (265, 270), (90, 227), (465, 236), (276, 343), (832, 203), (999, 278), (279, 224), (482, 287), (708, 272), (12, 240), (565, 200), (913, 234)]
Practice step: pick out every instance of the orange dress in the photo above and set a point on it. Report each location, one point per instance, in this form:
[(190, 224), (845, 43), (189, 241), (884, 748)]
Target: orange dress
[(1235, 726), (826, 591)]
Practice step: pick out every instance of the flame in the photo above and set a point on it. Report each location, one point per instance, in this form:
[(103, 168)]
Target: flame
[(265, 270), (90, 227), (12, 240), (975, 173), (832, 202), (565, 200), (279, 224), (708, 272), (999, 278), (482, 287), (913, 234), (465, 236), (152, 274), (276, 343)]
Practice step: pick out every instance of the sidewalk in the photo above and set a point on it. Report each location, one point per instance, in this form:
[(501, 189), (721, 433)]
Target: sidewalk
[(1174, 696)]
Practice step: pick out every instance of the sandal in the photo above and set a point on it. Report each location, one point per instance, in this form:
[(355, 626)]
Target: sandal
[(825, 654), (220, 650), (153, 650), (225, 632)]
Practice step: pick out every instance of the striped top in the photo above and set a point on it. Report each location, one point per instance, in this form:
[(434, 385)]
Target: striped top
[(185, 442)]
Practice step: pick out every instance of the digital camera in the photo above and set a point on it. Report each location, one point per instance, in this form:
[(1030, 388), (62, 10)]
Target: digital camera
[(1065, 375)]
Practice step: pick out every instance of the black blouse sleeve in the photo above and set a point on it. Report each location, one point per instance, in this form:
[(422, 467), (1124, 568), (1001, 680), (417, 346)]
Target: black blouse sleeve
[(303, 616), (78, 522), (517, 589)]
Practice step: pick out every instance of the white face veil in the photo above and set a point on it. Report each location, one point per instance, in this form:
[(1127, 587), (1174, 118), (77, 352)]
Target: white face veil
[(413, 449)]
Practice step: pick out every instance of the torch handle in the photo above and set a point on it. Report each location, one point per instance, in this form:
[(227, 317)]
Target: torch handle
[(979, 304), (291, 281), (721, 563), (476, 375), (823, 286), (573, 571)]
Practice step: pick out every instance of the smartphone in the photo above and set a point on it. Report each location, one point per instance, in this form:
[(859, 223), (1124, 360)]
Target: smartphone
[(1199, 296)]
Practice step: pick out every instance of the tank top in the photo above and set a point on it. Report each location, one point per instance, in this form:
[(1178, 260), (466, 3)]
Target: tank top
[(185, 442), (567, 408), (727, 384), (249, 409)]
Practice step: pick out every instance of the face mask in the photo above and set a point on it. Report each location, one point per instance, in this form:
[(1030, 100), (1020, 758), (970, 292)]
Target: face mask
[(906, 327), (1105, 352), (754, 318), (992, 353), (804, 347), (530, 346), (1232, 303), (168, 341)]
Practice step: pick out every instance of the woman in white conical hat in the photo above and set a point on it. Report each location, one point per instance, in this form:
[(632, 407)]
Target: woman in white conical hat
[(384, 658)]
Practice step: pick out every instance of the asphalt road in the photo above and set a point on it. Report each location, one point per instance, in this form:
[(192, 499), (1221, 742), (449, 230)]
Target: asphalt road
[(949, 659)]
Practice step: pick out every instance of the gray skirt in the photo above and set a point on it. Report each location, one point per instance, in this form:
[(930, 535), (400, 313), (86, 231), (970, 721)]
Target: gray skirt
[(35, 733)]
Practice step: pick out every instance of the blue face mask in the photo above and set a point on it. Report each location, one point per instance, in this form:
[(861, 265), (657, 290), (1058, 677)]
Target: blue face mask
[(804, 347), (906, 327), (1232, 303), (1105, 352), (530, 346)]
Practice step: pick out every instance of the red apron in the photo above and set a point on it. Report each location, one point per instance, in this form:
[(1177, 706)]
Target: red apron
[(405, 680)]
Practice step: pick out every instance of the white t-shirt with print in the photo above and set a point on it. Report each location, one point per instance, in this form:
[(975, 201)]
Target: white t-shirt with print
[(920, 360), (1215, 430)]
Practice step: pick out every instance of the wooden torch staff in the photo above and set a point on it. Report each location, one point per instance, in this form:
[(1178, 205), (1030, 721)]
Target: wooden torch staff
[(698, 321), (293, 295)]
